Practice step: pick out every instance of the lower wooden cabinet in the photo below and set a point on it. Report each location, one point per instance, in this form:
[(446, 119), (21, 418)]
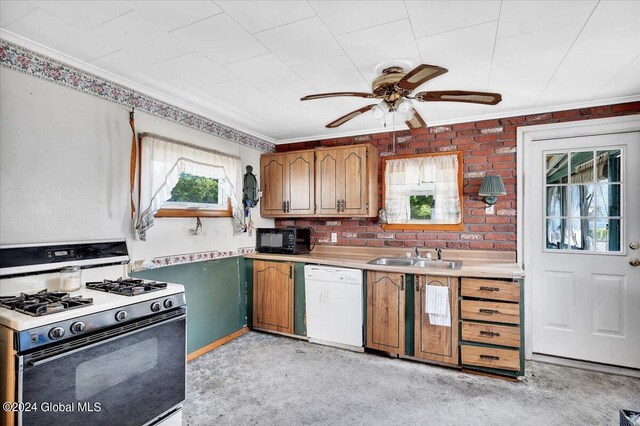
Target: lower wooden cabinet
[(491, 357), (492, 317), (273, 303), (386, 311), (435, 342)]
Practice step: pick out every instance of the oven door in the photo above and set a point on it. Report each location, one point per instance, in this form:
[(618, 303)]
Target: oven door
[(130, 377)]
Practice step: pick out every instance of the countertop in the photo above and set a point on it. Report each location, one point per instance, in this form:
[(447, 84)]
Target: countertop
[(475, 263)]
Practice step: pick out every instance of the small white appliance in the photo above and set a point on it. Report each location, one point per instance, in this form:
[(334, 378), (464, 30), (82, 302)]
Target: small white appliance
[(334, 306)]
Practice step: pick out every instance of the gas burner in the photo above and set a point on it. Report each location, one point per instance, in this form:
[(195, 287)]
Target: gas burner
[(43, 302), (127, 286)]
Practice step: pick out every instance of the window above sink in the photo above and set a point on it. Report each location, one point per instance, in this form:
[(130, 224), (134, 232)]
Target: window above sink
[(423, 192)]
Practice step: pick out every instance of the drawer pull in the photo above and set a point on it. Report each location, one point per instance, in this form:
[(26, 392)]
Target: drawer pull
[(485, 288), (491, 357), (490, 333), (488, 311)]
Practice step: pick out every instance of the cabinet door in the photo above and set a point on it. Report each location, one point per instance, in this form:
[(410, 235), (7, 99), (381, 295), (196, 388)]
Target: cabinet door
[(272, 184), (352, 179), (385, 311), (436, 342), (327, 194), (273, 296), (299, 183)]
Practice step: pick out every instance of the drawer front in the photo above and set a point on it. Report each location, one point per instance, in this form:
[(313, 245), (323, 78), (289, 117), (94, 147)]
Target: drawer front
[(502, 359), (488, 333), (491, 289), (508, 313)]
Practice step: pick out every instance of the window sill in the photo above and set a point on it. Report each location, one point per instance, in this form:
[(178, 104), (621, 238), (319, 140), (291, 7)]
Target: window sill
[(195, 212), (423, 227)]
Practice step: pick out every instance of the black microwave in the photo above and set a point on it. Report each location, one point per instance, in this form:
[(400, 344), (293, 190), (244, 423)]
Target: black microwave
[(283, 240)]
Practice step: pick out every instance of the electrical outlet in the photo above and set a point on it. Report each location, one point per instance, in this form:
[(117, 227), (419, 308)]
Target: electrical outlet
[(490, 209), (334, 237)]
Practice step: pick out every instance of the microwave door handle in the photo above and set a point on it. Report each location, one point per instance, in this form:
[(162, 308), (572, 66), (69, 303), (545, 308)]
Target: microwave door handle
[(101, 342)]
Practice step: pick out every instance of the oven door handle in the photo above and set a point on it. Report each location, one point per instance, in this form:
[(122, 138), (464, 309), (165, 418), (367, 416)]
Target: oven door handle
[(104, 341)]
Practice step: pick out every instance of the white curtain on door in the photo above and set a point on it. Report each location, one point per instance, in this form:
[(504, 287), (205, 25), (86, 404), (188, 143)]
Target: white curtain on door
[(442, 170), (161, 163)]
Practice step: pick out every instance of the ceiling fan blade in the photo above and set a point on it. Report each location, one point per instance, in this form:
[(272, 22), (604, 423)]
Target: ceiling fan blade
[(419, 75), (335, 94), (485, 98), (353, 114), (416, 121)]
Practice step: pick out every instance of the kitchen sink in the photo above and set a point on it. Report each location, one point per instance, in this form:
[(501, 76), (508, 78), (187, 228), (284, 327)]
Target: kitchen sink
[(392, 261), (417, 262)]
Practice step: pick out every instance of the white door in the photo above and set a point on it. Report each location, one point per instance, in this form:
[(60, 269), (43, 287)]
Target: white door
[(583, 198)]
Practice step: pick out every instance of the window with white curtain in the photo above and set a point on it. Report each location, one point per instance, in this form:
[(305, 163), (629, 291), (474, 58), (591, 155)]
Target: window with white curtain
[(423, 191), (178, 179)]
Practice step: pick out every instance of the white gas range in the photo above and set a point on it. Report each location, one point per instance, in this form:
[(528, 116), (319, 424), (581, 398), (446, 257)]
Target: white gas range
[(112, 352)]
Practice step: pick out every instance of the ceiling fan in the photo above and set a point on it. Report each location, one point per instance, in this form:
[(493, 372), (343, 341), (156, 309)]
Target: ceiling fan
[(395, 86)]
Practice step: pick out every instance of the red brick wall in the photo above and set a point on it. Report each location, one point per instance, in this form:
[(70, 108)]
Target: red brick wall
[(488, 147)]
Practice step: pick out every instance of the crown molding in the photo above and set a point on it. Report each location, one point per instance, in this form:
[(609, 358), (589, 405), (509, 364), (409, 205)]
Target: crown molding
[(498, 115), (21, 54)]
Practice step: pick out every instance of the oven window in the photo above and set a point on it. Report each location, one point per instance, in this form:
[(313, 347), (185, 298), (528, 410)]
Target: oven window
[(108, 370), (133, 377)]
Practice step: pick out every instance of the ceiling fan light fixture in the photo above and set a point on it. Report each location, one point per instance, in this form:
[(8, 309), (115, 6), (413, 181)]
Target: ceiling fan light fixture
[(404, 108), (380, 111)]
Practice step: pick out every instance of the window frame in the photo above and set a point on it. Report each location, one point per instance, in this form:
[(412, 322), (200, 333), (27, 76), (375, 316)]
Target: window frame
[(423, 226), (568, 217), (182, 212)]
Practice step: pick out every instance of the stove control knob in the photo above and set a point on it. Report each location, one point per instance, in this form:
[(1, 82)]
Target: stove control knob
[(168, 303), (121, 316), (77, 327), (56, 333), (155, 307)]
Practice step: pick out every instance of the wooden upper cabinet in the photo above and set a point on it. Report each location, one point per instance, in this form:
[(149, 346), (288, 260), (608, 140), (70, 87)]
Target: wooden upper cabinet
[(300, 183), (436, 342), (327, 191), (272, 180), (385, 312), (327, 182), (353, 180), (347, 181), (287, 184), (273, 292)]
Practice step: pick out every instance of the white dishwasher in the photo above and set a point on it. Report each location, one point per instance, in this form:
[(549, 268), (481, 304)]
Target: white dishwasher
[(334, 306)]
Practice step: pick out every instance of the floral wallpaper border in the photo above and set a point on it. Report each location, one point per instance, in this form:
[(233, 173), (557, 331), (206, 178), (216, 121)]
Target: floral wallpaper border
[(32, 63), (199, 257)]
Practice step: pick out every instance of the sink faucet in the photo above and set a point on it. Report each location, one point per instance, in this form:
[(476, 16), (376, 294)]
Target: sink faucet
[(417, 252), (439, 251)]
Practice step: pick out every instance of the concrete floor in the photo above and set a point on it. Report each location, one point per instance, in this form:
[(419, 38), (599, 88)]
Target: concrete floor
[(266, 379)]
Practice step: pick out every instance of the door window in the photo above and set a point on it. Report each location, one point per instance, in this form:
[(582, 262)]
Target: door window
[(583, 202)]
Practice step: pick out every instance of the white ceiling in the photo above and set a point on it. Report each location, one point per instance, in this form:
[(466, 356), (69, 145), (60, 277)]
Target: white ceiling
[(247, 63)]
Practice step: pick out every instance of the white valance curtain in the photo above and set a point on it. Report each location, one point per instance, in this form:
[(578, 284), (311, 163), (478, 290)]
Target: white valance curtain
[(162, 160), (402, 173)]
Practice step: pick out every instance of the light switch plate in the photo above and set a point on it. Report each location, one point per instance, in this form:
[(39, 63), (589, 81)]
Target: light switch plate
[(334, 237)]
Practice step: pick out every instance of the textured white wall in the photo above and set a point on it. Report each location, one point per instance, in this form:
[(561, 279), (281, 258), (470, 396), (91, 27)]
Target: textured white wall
[(64, 172)]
